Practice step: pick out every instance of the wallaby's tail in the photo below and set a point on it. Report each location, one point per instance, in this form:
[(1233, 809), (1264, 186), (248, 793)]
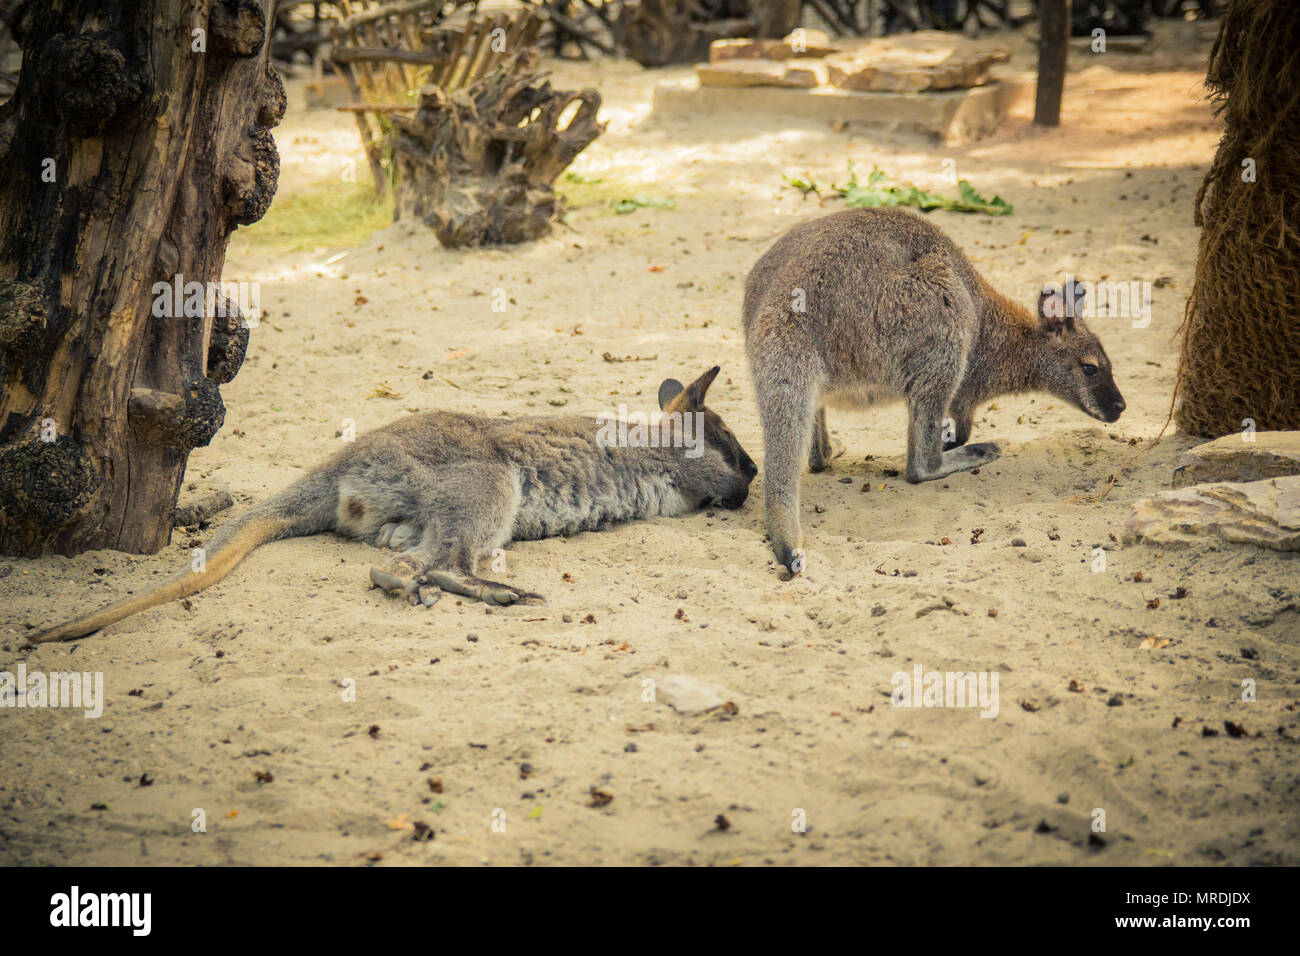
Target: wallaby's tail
[(305, 508)]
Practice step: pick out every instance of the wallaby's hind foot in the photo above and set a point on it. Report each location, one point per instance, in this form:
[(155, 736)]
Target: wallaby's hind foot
[(824, 448), (957, 459), (408, 577), (795, 563), (489, 592)]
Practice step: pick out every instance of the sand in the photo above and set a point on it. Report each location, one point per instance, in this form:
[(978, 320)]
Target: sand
[(493, 727)]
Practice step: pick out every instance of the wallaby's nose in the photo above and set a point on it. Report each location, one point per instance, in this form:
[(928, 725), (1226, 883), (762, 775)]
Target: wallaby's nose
[(1118, 405)]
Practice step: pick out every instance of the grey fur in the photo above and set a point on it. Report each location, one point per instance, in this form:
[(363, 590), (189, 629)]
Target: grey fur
[(894, 310), (448, 488)]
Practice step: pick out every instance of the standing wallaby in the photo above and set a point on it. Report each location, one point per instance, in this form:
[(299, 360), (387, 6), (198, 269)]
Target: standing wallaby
[(870, 305), (446, 489)]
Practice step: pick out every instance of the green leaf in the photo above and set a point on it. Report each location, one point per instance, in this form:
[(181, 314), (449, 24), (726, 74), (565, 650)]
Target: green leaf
[(625, 206), (880, 191), (804, 184)]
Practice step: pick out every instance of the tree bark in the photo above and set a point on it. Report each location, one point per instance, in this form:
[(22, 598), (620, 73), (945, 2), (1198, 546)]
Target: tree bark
[(1239, 367), (659, 32), (1053, 52), (137, 140)]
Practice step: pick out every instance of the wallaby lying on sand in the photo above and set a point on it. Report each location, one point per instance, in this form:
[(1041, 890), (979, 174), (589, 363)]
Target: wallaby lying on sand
[(446, 489), (869, 305)]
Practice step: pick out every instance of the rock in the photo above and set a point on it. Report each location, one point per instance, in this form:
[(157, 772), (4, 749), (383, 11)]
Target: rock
[(1264, 513), (690, 696), (864, 71), (1232, 458), (925, 60), (199, 501), (806, 74), (811, 39), (735, 73), (812, 43)]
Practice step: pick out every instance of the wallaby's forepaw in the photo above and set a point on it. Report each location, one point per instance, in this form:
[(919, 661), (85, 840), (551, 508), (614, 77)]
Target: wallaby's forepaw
[(405, 577), (397, 535)]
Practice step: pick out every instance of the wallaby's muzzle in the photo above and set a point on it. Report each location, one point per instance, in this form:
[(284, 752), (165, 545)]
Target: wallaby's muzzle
[(1108, 402), (735, 499)]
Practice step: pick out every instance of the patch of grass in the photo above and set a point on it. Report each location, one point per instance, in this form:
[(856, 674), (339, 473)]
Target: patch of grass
[(325, 215), (597, 196), (625, 207)]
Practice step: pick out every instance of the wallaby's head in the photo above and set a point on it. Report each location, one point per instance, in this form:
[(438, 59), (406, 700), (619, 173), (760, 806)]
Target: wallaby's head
[(720, 474), (1075, 367)]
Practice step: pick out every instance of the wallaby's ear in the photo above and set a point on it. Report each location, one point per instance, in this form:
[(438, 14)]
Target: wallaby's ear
[(1058, 306), (1051, 309), (669, 390), (697, 389), (1075, 294)]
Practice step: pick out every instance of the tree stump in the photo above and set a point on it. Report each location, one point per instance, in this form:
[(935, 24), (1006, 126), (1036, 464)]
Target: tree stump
[(137, 140), (659, 32), (478, 165)]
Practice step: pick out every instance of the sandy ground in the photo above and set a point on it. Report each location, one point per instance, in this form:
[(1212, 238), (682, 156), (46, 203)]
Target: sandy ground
[(515, 715)]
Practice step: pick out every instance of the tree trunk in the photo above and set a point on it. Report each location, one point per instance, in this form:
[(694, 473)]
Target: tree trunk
[(138, 138), (1239, 368), (1053, 52)]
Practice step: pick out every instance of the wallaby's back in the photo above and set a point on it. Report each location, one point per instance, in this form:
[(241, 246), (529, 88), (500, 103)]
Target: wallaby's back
[(862, 290)]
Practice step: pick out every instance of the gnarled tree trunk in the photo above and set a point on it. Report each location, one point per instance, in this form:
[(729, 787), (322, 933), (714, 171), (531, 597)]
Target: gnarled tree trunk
[(137, 140)]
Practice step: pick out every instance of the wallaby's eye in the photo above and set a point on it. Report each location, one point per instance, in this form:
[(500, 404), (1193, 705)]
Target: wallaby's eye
[(1089, 370)]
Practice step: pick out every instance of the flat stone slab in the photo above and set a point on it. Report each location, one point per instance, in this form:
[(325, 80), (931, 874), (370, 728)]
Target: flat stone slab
[(811, 43), (865, 71), (1233, 458), (742, 73), (908, 63), (953, 117), (1264, 513)]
